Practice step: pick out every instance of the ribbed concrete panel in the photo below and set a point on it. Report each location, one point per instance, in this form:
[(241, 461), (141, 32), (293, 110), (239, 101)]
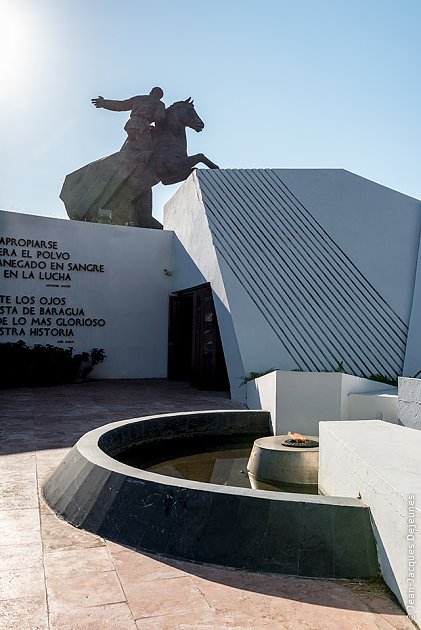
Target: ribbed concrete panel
[(314, 297)]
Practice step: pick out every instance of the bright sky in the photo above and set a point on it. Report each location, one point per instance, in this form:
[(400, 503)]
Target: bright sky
[(278, 83)]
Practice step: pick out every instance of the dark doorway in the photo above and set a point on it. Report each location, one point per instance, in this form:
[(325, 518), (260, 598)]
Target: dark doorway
[(194, 345)]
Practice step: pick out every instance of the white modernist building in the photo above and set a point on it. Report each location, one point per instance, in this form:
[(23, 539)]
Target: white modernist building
[(310, 269)]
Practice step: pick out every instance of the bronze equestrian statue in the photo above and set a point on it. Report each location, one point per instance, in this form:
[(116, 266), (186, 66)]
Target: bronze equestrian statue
[(145, 110), (155, 151)]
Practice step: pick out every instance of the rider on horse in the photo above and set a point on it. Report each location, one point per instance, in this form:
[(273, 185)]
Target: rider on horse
[(145, 110)]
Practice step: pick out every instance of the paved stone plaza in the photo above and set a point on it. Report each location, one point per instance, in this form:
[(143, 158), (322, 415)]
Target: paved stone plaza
[(55, 576)]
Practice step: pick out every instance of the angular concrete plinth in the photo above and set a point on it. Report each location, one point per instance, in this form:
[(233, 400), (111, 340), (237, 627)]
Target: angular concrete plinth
[(272, 461)]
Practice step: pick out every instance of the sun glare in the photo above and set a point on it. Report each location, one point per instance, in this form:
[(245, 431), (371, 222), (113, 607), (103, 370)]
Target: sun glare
[(15, 46)]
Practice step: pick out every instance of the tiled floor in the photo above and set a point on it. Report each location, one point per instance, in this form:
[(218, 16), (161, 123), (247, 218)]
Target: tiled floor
[(55, 576)]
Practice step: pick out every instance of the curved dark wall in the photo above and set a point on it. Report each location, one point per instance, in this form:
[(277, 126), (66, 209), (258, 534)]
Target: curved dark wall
[(305, 535)]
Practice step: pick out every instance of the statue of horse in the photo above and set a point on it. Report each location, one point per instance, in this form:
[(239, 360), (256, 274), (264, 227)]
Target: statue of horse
[(122, 184), (172, 164)]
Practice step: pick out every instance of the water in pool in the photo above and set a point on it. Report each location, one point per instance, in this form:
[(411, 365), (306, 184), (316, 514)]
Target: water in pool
[(223, 464)]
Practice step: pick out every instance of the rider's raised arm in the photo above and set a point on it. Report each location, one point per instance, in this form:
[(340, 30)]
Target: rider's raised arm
[(115, 106)]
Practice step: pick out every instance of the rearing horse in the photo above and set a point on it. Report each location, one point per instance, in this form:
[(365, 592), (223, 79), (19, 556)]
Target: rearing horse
[(172, 164), (120, 184)]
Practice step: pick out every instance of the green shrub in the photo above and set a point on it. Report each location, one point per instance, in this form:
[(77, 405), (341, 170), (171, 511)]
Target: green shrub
[(22, 365), (382, 378), (253, 375)]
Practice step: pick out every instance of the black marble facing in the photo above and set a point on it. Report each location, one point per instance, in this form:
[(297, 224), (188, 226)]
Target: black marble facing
[(295, 534)]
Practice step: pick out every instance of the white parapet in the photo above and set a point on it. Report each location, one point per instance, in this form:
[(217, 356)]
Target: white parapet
[(381, 405), (379, 462), (297, 401)]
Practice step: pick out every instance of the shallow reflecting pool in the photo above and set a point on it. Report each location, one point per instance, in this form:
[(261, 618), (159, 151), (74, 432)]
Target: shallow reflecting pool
[(211, 462)]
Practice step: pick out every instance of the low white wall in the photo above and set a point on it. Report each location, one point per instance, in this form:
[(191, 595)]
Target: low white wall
[(297, 401), (261, 394), (409, 402), (380, 463), (379, 405), (118, 301)]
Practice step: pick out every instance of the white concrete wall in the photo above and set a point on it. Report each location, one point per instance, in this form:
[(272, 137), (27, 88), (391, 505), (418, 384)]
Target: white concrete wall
[(412, 365), (366, 219), (261, 394), (128, 292), (409, 402), (379, 405), (260, 348), (298, 401), (195, 262), (380, 463), (363, 399)]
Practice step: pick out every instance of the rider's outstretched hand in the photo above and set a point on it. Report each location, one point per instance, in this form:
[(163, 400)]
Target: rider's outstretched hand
[(97, 101)]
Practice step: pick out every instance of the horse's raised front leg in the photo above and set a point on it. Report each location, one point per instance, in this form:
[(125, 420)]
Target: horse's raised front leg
[(207, 162), (192, 160), (180, 169)]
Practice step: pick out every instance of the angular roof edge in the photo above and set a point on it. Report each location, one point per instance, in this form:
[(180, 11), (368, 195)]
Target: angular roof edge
[(201, 172)]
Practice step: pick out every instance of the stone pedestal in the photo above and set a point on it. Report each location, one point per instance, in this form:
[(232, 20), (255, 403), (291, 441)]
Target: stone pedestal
[(273, 462)]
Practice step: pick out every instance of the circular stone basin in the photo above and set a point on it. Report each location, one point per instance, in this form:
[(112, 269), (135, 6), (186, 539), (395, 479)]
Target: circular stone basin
[(271, 461), (243, 528)]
